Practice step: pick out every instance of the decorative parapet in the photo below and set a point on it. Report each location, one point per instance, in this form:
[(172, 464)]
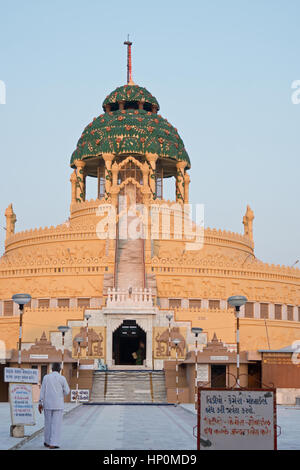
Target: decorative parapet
[(86, 208), (188, 228), (226, 236), (204, 311), (127, 298), (81, 226), (221, 268), (70, 310), (61, 269), (51, 234)]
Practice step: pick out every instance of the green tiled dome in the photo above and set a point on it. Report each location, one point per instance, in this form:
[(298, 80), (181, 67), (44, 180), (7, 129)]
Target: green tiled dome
[(130, 93), (130, 131)]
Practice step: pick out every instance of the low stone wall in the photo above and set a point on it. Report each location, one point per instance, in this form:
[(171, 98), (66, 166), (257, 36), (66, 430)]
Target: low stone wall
[(183, 395), (170, 381), (287, 396), (85, 381)]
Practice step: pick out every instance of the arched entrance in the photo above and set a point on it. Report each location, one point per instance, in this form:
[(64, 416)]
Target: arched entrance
[(129, 344)]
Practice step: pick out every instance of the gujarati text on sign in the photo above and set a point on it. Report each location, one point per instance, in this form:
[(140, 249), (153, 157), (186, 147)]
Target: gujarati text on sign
[(237, 419)]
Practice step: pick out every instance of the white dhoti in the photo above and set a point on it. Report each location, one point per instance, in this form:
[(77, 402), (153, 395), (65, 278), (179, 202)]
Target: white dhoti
[(53, 425)]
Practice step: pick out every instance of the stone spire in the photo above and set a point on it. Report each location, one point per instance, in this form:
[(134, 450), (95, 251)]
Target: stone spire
[(248, 223), (10, 221), (129, 66)]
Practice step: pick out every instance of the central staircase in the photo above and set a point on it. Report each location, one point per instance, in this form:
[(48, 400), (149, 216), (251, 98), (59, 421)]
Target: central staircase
[(130, 269), (127, 386)]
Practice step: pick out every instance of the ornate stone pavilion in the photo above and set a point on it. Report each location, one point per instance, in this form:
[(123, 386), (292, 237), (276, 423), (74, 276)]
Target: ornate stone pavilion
[(129, 257)]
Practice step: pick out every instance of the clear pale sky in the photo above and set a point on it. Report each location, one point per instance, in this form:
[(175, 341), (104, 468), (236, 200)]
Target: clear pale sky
[(221, 71)]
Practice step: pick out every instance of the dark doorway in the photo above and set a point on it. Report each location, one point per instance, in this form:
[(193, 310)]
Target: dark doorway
[(44, 371), (254, 375), (3, 385), (218, 376), (129, 344)]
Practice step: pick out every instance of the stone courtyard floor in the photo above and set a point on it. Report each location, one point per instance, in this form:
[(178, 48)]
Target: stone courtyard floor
[(118, 427), (6, 441), (134, 427)]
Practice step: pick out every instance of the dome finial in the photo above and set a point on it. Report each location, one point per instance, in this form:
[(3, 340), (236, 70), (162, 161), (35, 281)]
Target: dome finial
[(129, 68)]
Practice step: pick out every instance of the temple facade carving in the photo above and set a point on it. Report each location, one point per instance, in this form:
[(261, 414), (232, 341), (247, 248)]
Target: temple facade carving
[(129, 283)]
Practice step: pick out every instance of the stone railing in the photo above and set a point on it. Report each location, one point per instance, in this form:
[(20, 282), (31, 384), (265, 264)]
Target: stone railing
[(129, 298)]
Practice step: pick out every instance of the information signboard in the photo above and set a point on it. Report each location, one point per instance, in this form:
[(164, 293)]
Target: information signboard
[(203, 373), (21, 404), (83, 395), (237, 419), (18, 375)]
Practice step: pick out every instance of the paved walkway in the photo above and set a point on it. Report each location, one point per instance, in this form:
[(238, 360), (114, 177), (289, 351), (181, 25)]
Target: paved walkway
[(6, 441), (133, 427), (113, 427)]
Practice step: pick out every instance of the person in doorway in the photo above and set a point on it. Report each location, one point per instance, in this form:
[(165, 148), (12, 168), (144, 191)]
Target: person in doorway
[(53, 390), (139, 355)]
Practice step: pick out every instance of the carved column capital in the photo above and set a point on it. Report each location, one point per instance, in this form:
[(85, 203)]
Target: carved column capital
[(151, 157), (181, 165), (108, 157), (80, 164)]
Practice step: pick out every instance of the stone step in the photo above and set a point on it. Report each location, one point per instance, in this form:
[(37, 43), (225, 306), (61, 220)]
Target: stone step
[(129, 386), (130, 264)]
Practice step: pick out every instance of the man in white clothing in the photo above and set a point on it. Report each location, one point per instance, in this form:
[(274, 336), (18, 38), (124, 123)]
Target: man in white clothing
[(53, 389)]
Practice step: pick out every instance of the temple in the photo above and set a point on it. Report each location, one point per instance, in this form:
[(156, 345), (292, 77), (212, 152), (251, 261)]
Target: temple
[(130, 271)]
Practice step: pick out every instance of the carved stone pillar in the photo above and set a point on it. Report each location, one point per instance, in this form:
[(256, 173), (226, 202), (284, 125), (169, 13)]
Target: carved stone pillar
[(73, 181), (147, 224), (145, 171), (147, 234), (146, 192), (115, 171), (187, 181), (108, 158), (80, 164), (147, 250), (114, 190), (10, 221), (180, 166), (151, 158)]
